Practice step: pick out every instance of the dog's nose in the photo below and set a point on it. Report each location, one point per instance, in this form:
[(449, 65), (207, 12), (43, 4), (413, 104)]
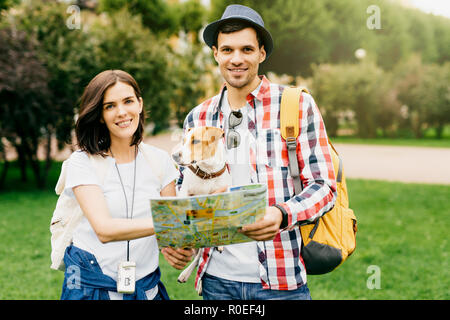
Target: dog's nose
[(176, 157)]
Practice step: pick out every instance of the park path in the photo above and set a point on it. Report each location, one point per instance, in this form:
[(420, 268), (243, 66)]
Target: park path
[(391, 163)]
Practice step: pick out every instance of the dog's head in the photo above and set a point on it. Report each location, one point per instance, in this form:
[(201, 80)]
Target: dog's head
[(200, 144)]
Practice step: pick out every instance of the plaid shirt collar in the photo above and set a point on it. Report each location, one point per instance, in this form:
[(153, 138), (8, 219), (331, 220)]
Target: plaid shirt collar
[(259, 93)]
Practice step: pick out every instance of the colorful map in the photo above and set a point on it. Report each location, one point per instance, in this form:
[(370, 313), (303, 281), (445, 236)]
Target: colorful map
[(208, 220)]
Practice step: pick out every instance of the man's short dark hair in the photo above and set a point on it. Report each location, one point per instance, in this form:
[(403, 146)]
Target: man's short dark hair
[(231, 26)]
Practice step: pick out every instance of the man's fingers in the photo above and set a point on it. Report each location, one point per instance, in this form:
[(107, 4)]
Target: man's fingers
[(172, 261), (258, 225), (179, 253), (177, 258), (261, 230)]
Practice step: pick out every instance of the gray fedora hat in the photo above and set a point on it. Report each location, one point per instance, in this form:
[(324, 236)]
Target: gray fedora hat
[(239, 12)]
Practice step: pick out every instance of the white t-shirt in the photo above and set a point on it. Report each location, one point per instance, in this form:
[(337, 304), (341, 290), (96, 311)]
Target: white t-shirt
[(237, 262), (143, 251)]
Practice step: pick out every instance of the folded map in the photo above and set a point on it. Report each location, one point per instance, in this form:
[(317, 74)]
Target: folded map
[(208, 220)]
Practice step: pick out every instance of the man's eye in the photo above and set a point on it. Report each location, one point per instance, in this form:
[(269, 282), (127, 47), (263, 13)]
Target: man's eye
[(129, 101)]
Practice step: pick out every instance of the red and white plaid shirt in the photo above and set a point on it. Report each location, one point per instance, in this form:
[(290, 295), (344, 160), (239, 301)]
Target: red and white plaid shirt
[(281, 265)]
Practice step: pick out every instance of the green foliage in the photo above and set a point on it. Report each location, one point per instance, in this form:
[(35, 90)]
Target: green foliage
[(122, 42), (24, 89), (425, 91), (360, 93), (157, 15), (413, 97), (189, 87), (67, 56), (298, 28), (191, 15), (316, 31), (5, 4)]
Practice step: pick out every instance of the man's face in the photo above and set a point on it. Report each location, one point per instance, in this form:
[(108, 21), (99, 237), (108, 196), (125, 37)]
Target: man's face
[(238, 55)]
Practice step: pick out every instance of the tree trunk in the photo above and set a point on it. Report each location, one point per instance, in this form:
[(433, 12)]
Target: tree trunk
[(48, 159), (439, 130), (22, 161), (4, 171)]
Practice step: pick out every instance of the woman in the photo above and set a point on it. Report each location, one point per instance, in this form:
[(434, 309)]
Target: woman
[(117, 228)]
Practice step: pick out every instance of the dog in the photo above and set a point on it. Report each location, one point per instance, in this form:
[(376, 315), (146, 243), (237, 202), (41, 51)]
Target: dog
[(202, 153)]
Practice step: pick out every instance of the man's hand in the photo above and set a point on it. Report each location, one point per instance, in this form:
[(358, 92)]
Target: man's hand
[(266, 228), (177, 257)]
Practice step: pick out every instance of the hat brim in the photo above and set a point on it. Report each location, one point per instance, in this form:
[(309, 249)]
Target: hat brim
[(209, 34)]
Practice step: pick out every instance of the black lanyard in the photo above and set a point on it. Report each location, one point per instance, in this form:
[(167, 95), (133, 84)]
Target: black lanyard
[(125, 195)]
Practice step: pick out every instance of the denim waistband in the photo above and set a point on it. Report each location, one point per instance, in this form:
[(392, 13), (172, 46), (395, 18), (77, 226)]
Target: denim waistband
[(92, 277)]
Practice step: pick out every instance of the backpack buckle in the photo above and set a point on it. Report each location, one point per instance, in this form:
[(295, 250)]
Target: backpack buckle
[(291, 143)]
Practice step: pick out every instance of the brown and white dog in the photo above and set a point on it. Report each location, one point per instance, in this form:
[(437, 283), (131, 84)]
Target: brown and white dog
[(202, 153)]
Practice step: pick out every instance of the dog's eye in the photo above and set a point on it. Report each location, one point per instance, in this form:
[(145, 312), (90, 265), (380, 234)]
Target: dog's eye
[(195, 141)]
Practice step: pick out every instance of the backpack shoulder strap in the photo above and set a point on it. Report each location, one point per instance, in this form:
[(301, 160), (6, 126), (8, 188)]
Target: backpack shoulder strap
[(100, 165), (100, 168), (338, 157), (60, 185), (153, 159), (289, 127)]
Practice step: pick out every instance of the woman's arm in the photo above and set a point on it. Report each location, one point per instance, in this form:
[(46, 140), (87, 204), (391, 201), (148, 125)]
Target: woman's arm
[(169, 190), (108, 229)]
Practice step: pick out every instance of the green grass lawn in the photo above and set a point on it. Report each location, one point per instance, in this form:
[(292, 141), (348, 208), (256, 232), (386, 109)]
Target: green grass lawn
[(402, 230)]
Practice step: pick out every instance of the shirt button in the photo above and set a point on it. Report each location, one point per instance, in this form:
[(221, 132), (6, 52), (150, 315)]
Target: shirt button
[(92, 261)]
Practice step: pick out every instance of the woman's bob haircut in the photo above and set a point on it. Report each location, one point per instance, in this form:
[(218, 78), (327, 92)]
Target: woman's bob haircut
[(92, 135)]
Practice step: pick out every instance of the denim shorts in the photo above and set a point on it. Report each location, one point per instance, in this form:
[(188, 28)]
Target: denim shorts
[(221, 289)]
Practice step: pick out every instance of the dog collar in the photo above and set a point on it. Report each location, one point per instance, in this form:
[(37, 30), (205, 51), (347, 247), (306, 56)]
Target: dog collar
[(205, 175)]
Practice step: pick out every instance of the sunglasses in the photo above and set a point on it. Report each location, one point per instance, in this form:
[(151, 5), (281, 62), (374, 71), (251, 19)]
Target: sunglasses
[(233, 137)]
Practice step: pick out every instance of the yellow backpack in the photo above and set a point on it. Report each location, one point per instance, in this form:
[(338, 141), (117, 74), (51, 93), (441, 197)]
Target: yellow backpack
[(331, 239)]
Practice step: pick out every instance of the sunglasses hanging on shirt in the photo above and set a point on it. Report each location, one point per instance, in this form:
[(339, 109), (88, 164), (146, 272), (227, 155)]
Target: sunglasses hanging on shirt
[(233, 137)]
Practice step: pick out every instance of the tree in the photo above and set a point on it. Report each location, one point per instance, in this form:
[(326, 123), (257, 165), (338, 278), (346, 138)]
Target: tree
[(298, 28), (23, 89), (441, 29), (191, 77), (5, 4), (434, 90), (360, 90), (157, 15), (68, 59), (122, 42)]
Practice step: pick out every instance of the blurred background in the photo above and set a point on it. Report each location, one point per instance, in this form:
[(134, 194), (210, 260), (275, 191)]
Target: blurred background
[(379, 71)]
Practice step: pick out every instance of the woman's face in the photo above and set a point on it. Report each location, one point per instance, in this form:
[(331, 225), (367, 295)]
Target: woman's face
[(121, 109)]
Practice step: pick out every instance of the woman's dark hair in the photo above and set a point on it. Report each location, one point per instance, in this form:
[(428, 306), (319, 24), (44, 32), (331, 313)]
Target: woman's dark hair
[(232, 25), (92, 134)]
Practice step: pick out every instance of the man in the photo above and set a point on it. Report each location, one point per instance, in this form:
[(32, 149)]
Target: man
[(248, 110)]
